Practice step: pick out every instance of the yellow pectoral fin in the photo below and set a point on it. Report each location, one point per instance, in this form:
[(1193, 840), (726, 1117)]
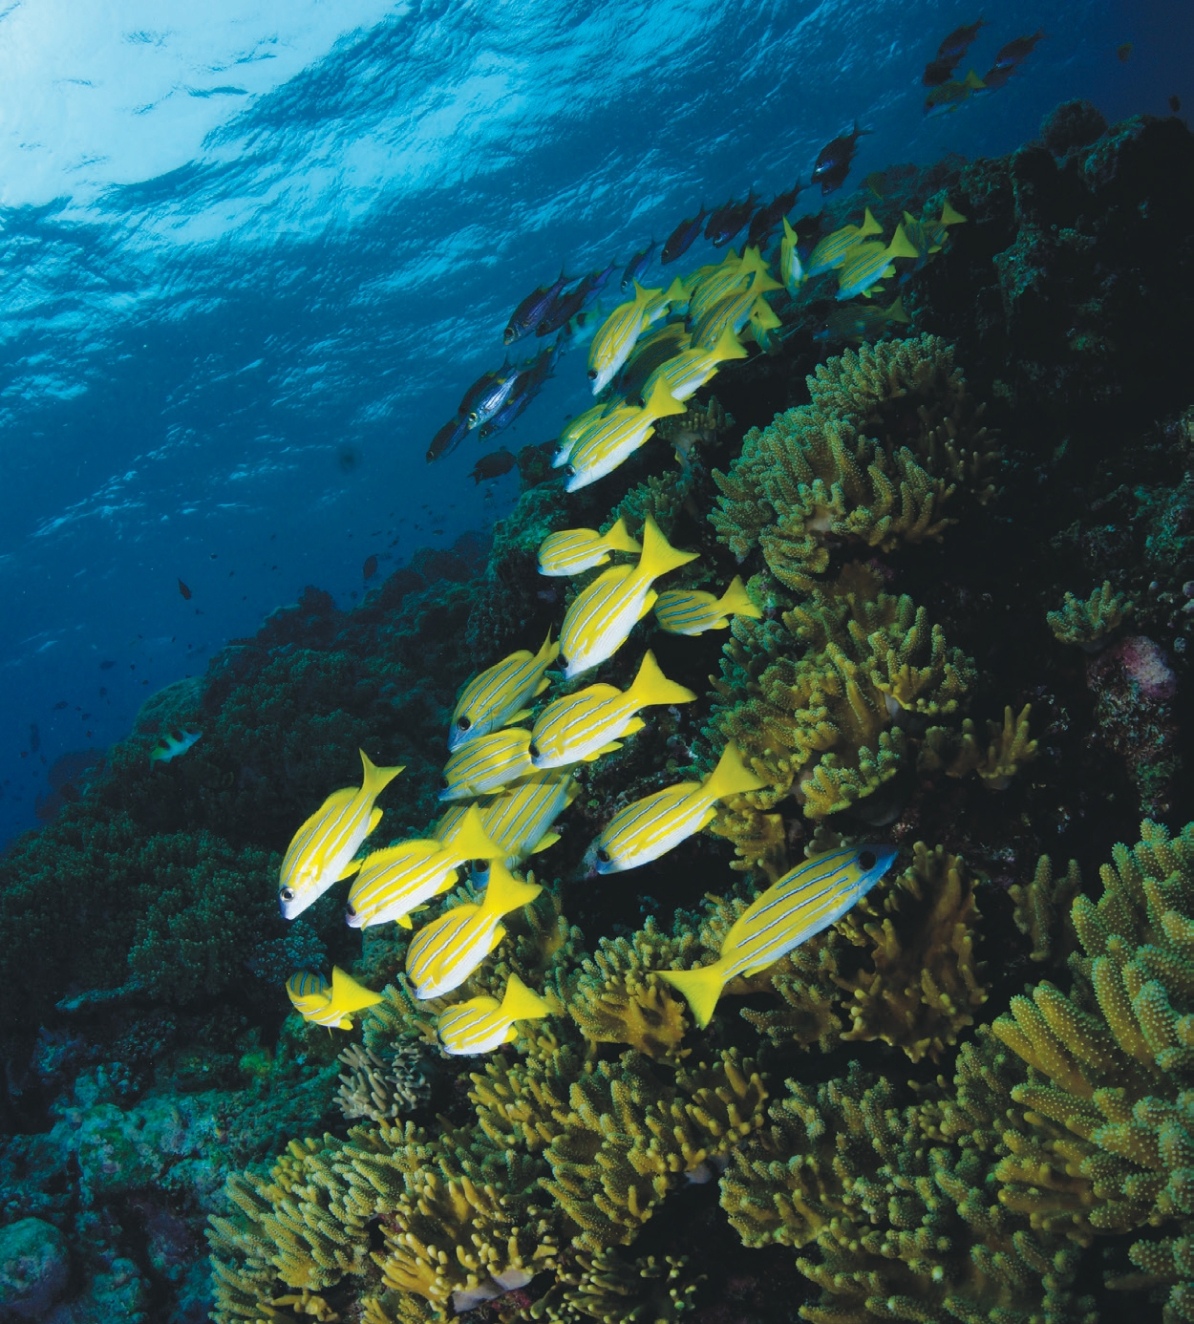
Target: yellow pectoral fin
[(634, 726), (498, 934), (648, 602), (404, 922), (374, 819), (548, 839), (349, 869)]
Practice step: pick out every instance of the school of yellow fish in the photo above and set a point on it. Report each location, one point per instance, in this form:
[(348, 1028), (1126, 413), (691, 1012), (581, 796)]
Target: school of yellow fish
[(507, 782)]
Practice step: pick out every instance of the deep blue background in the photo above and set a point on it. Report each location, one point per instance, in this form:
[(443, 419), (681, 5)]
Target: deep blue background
[(229, 373)]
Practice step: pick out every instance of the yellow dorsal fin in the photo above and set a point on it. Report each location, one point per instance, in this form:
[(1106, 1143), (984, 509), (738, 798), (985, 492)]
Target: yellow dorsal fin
[(661, 402), (471, 841), (728, 346), (548, 651)]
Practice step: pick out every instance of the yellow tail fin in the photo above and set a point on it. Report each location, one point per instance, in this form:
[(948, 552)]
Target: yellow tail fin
[(471, 841), (731, 776), (618, 538), (506, 891), (869, 225), (736, 602), (642, 297), (548, 652), (728, 347), (949, 216), (658, 555), (661, 402), (348, 995), (901, 245), (519, 1003), (376, 779), (651, 686), (701, 989)]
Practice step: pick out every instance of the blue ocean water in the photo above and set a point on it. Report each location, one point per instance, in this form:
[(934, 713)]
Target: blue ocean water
[(251, 256)]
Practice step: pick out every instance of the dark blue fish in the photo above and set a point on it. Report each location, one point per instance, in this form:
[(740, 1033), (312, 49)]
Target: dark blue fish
[(566, 306), (636, 268), (447, 438), (1016, 51), (959, 40), (940, 71), (528, 383), (767, 218), (529, 313), (493, 465), (680, 240), (599, 280), (833, 160), (727, 220)]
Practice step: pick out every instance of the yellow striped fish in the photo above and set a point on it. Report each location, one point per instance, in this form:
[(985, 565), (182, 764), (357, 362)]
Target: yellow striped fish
[(688, 371), (602, 615), (519, 821), (321, 851), (483, 1024), (443, 954), (574, 428), (731, 276), (803, 902), (867, 264), (570, 551), (731, 313), (616, 437), (615, 337), (686, 611), (498, 696), (486, 763), (331, 1005), (791, 269), (831, 251), (652, 826), (580, 727), (394, 881)]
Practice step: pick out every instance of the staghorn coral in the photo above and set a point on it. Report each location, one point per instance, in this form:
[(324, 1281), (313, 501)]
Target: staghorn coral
[(380, 1090), (920, 985), (614, 999), (604, 1286), (630, 1136), (760, 840), (958, 753), (1042, 910), (874, 460), (827, 723), (1087, 623), (1107, 1140)]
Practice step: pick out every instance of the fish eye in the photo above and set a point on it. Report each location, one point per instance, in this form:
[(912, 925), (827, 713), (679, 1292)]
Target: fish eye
[(464, 723), (445, 782), (603, 855), (287, 894), (472, 418), (570, 470), (867, 860), (592, 374), (533, 750), (350, 910)]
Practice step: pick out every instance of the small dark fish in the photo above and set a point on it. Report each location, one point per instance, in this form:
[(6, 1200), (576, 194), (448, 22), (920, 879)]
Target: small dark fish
[(1124, 52), (636, 268), (764, 221), (1007, 57), (565, 308), (107, 665), (529, 313), (369, 569), (487, 395), (493, 465), (186, 592), (1175, 102), (62, 703), (681, 238), (995, 78), (958, 42), (833, 160), (727, 220), (447, 438), (597, 281), (940, 71)]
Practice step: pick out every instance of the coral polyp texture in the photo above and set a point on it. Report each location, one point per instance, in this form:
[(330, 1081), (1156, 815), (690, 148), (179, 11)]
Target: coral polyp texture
[(968, 1098)]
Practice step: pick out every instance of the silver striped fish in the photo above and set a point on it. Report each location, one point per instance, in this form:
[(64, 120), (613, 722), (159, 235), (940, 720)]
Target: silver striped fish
[(804, 901), (482, 1024), (486, 763), (499, 695)]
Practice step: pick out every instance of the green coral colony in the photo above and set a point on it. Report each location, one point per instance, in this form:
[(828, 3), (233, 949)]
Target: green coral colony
[(819, 1062)]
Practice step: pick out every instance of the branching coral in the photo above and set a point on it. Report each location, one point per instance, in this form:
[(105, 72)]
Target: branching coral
[(1042, 910), (381, 1090), (605, 1286), (824, 722), (874, 460), (921, 984), (1087, 623), (1108, 1140), (1009, 746)]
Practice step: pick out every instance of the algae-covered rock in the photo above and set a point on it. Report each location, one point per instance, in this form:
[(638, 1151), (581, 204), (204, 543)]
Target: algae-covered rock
[(34, 1268)]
